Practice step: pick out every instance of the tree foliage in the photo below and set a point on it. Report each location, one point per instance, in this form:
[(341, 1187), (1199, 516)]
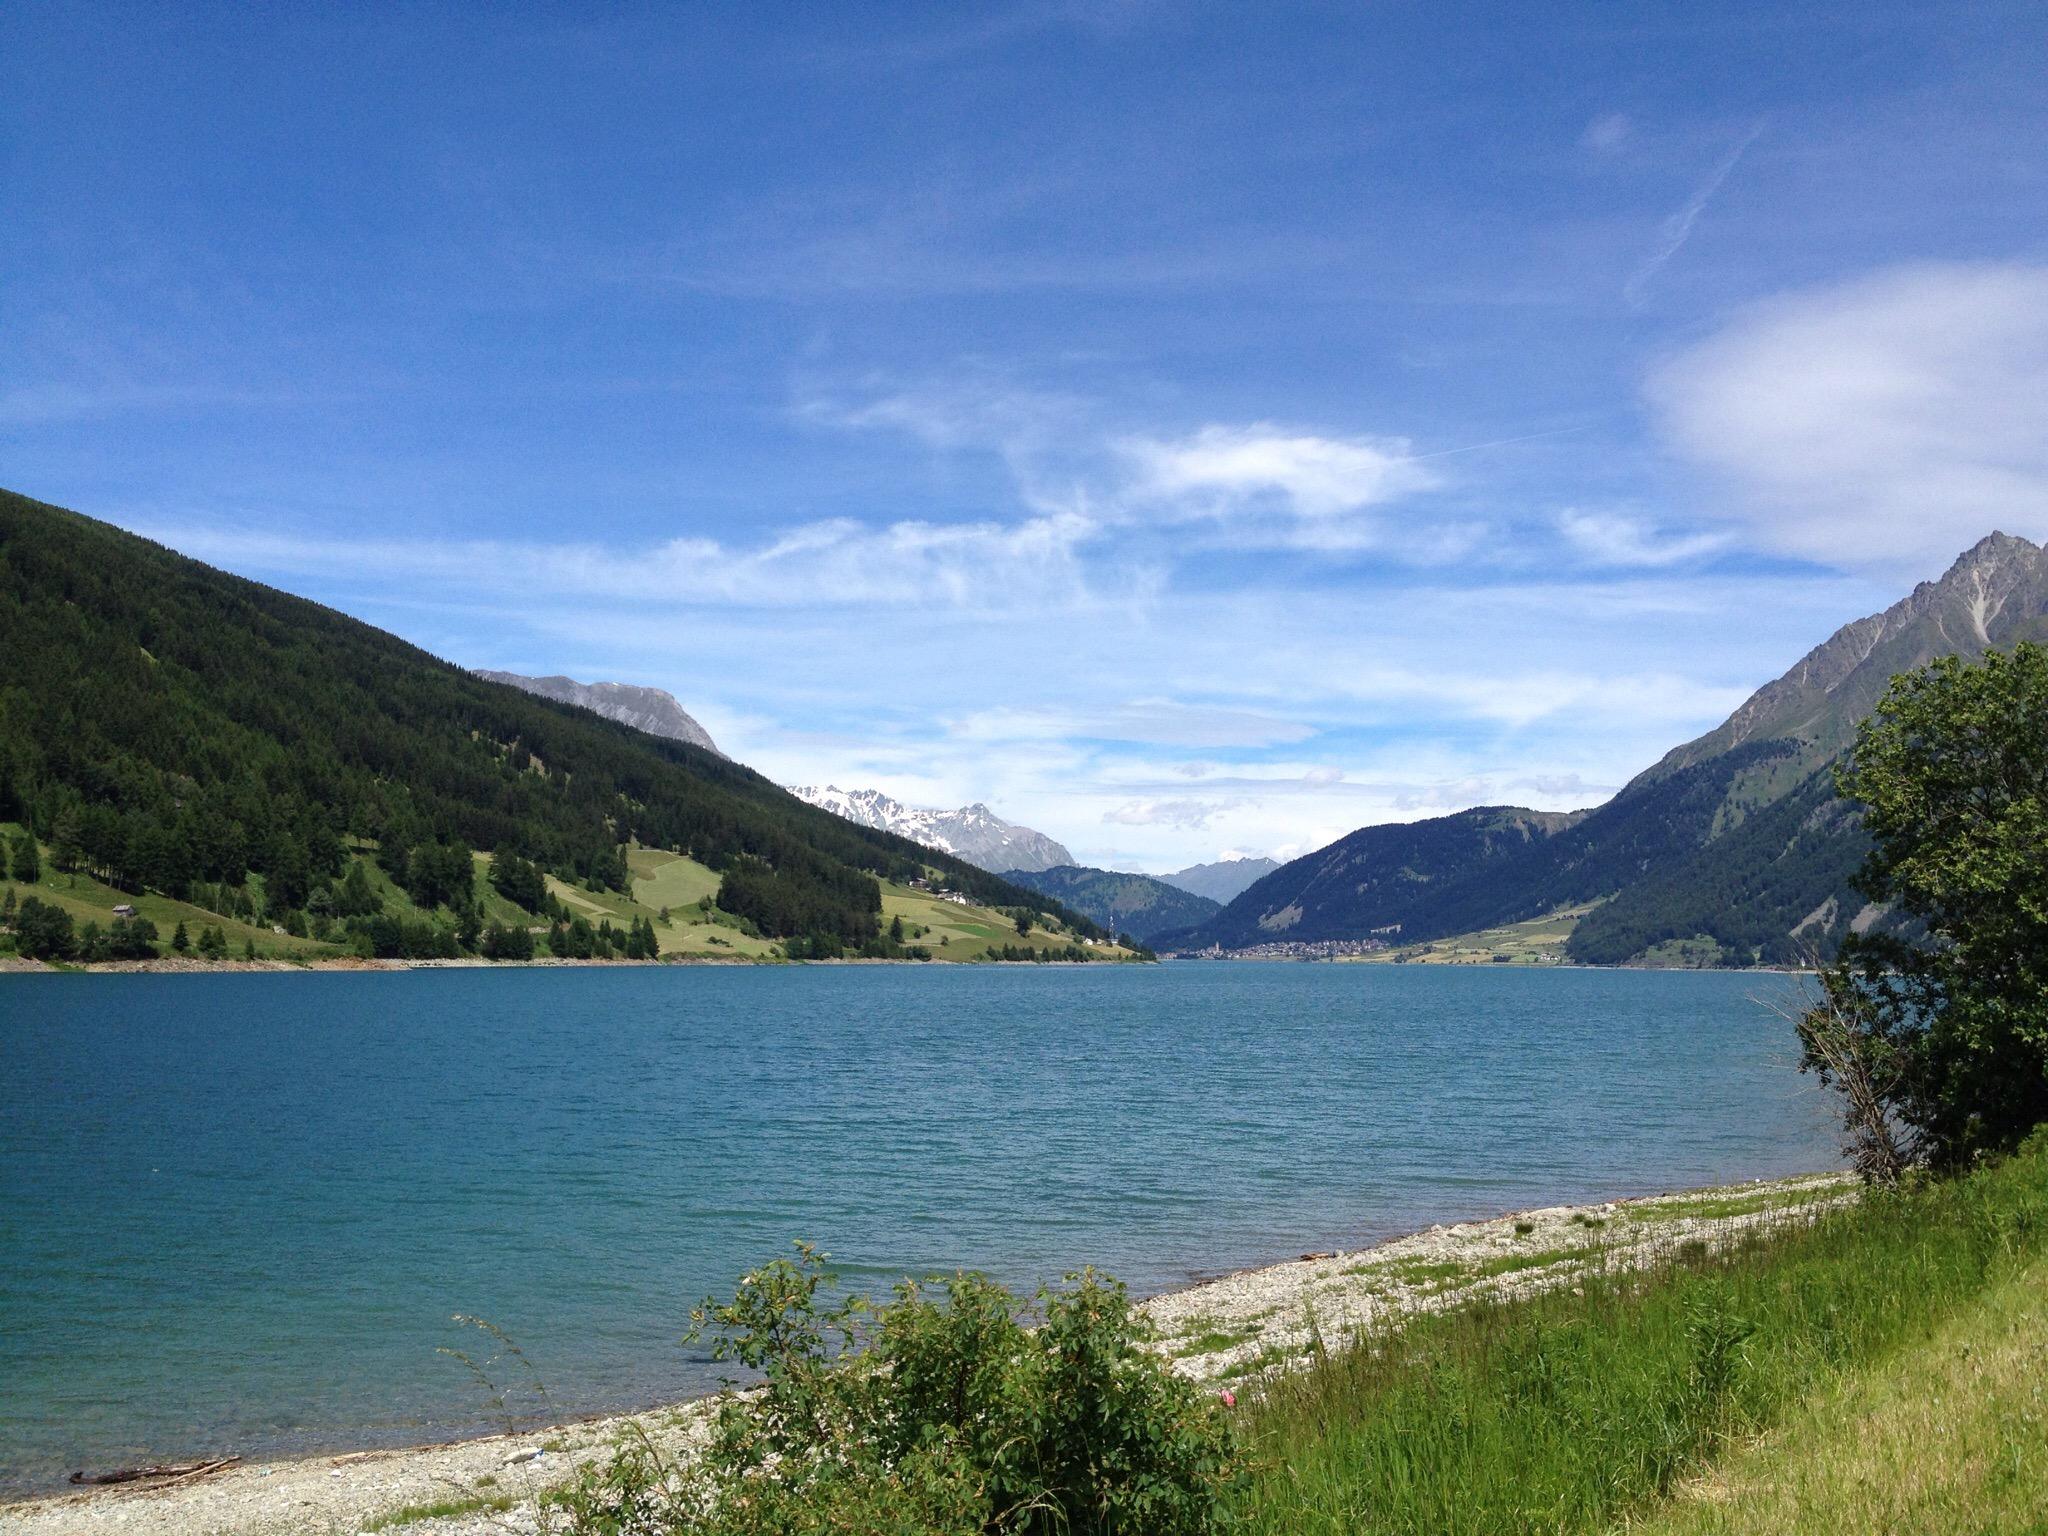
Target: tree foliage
[(1952, 775)]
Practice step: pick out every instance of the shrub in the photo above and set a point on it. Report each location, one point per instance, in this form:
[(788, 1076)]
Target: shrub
[(941, 1412)]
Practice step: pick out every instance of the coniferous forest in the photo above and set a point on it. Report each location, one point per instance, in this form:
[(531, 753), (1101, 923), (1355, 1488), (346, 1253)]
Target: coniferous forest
[(167, 727)]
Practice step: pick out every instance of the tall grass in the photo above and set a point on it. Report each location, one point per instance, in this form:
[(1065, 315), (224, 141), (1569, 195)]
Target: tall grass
[(1567, 1411)]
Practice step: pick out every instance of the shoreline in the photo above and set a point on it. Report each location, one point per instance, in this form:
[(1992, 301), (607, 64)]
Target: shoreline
[(169, 965), (165, 965), (1227, 1330)]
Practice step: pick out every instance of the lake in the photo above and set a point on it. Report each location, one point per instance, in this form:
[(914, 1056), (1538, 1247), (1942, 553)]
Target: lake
[(237, 1212)]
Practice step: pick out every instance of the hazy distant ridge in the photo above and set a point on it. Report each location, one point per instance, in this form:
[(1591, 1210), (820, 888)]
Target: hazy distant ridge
[(1223, 881)]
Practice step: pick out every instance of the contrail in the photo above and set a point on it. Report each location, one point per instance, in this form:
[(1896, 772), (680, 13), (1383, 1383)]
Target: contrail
[(1498, 442), (1677, 229)]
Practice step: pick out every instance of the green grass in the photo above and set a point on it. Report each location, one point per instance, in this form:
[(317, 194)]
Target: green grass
[(969, 932), (1951, 1434), (663, 879), (1536, 941), (1717, 1207), (444, 1509), (1208, 1336), (1577, 1409), (686, 936)]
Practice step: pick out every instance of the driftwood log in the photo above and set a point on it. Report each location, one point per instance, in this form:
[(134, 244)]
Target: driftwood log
[(153, 1474)]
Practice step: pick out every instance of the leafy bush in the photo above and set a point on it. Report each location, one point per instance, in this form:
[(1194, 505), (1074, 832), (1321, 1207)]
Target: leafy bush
[(941, 1412)]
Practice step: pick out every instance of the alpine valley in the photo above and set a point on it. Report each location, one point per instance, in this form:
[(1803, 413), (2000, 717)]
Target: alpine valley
[(191, 757), (1732, 849)]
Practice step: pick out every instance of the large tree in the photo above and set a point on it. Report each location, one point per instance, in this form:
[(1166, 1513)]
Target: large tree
[(1952, 1009)]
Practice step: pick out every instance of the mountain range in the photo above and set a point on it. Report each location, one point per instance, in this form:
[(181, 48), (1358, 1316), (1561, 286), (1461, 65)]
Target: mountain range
[(653, 710), (974, 832), (1732, 848), (1137, 905), (1222, 881)]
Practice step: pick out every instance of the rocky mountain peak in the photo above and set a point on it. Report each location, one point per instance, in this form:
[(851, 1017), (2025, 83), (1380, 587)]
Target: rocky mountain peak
[(973, 832), (653, 710), (1994, 593)]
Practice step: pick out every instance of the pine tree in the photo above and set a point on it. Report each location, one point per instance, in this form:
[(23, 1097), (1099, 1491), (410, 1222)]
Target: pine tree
[(248, 949), (180, 940), (64, 839), (28, 862)]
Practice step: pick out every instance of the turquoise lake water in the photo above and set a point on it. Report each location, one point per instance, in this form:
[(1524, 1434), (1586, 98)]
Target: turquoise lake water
[(237, 1212)]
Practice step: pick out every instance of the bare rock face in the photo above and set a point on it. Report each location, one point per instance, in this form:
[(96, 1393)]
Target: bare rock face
[(974, 832), (652, 710), (1996, 593)]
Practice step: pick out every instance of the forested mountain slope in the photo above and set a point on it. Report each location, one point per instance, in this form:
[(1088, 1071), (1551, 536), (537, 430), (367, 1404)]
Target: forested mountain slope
[(163, 723), (1418, 875), (1735, 839), (1124, 903)]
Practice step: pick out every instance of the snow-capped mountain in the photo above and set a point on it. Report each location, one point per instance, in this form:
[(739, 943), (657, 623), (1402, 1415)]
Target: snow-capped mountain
[(974, 832)]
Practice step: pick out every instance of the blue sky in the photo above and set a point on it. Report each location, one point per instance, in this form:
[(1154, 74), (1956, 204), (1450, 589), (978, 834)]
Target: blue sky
[(1189, 429)]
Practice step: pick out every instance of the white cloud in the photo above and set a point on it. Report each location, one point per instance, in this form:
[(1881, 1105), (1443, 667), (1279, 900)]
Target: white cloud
[(839, 562), (1250, 486), (1181, 815), (1890, 421), (1616, 538), (1220, 469), (1155, 722)]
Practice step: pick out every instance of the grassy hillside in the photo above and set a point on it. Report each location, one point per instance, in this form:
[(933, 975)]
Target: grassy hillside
[(1536, 941), (167, 728), (673, 895), (1878, 1369), (1124, 903), (1950, 1434)]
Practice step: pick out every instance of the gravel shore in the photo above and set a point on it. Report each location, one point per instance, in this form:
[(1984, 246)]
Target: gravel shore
[(1228, 1331)]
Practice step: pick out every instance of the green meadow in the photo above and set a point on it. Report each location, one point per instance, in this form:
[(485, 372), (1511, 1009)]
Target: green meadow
[(676, 894), (1536, 941)]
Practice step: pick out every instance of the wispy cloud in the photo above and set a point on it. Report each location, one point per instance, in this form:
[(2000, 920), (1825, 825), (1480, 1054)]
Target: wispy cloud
[(1182, 815), (1608, 133), (1677, 229), (1887, 421), (1617, 538), (991, 566)]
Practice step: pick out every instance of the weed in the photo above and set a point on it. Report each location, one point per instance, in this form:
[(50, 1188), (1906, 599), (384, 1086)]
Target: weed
[(445, 1509)]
